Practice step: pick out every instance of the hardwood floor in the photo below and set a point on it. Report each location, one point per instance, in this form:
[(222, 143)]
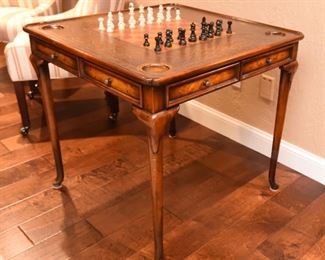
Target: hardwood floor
[(217, 201)]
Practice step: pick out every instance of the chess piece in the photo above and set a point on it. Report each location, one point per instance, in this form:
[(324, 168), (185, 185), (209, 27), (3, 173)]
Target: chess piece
[(132, 21), (160, 38), (211, 30), (179, 33), (178, 15), (171, 35), (168, 13), (218, 32), (204, 30), (150, 17), (182, 38), (142, 19), (161, 12), (121, 24), (146, 40), (110, 22), (168, 42), (192, 37), (101, 26), (219, 24), (229, 30), (158, 47)]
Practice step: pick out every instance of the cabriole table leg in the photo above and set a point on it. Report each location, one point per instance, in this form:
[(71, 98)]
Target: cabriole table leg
[(156, 126), (42, 71), (287, 73)]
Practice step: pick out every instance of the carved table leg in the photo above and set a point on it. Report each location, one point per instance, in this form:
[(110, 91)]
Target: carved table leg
[(287, 73), (42, 70), (156, 126), (113, 104), (172, 128)]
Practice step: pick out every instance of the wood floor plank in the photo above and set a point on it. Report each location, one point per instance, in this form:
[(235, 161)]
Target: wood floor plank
[(297, 238), (3, 149), (317, 252), (211, 221), (240, 240), (68, 243), (13, 242)]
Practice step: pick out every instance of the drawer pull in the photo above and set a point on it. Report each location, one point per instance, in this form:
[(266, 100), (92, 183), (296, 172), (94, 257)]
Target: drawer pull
[(53, 56), (269, 61), (206, 83), (108, 81)]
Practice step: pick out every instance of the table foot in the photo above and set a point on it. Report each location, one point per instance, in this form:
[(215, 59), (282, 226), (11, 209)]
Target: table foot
[(156, 127)]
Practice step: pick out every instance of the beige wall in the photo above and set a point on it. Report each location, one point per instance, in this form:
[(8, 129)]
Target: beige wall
[(305, 122)]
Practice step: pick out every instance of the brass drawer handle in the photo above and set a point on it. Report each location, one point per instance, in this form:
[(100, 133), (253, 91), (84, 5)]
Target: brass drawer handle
[(206, 83), (269, 61), (108, 81), (53, 56)]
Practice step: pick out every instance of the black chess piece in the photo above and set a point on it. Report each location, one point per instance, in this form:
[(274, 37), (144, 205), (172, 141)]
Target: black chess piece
[(218, 28), (229, 30), (211, 30), (160, 38), (182, 38), (158, 43), (146, 40), (219, 24), (203, 23), (171, 35), (204, 33), (168, 42), (179, 33), (192, 37)]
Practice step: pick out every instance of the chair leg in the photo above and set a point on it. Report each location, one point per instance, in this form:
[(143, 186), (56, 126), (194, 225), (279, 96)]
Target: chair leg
[(113, 103), (23, 109), (33, 89)]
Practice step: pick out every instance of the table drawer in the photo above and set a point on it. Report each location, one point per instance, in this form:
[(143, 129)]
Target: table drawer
[(267, 61), (112, 83), (192, 88), (57, 57)]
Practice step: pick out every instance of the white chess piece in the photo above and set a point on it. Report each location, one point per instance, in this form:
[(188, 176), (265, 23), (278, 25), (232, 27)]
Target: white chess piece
[(150, 18), (121, 24), (168, 13), (132, 21), (101, 26), (110, 22), (178, 15), (160, 14), (142, 19)]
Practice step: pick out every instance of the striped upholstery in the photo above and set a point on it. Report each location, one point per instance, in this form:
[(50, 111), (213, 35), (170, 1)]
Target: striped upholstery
[(17, 52), (13, 17)]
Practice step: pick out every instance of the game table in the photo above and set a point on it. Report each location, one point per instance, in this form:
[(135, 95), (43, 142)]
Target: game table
[(157, 82)]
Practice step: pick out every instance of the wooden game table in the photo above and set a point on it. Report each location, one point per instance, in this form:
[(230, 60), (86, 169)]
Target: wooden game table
[(156, 83)]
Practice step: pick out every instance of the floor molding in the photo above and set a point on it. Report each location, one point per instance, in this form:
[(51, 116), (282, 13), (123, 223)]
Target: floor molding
[(308, 164)]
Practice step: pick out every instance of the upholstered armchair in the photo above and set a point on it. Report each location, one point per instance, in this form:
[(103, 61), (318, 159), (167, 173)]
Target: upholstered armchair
[(18, 51), (14, 13)]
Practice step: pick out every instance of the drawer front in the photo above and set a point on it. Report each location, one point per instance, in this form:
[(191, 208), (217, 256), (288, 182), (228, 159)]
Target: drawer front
[(121, 87), (57, 57), (209, 82), (266, 62)]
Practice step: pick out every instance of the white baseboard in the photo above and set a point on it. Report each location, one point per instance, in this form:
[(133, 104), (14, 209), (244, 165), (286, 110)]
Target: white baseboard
[(296, 158)]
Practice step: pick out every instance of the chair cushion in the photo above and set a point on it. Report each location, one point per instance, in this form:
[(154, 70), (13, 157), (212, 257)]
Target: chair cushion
[(19, 67), (12, 20)]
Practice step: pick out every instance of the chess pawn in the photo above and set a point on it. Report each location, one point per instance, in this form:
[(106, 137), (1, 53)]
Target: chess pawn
[(146, 40), (229, 30), (101, 26), (178, 15), (168, 13)]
